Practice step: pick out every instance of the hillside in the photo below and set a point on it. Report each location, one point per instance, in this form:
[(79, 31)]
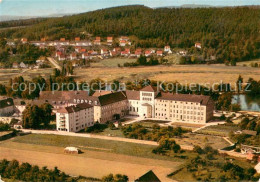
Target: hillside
[(230, 34)]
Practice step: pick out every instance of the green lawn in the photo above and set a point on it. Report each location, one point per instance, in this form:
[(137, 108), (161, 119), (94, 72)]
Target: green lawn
[(132, 149), (114, 133), (112, 62), (219, 130)]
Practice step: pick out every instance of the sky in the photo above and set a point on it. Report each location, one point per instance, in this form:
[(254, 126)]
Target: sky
[(57, 7)]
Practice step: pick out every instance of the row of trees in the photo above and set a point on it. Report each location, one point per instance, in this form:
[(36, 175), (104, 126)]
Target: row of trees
[(138, 131), (25, 53), (36, 117), (233, 36), (27, 172)]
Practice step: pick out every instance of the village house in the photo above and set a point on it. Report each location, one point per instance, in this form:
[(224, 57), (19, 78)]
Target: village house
[(85, 56), (77, 39), (198, 45), (167, 49), (75, 118), (126, 52), (148, 53), (77, 49), (109, 41), (6, 107), (22, 65), (97, 41), (24, 40), (104, 52), (85, 43), (73, 56), (159, 53), (138, 52), (61, 57), (58, 53), (15, 65)]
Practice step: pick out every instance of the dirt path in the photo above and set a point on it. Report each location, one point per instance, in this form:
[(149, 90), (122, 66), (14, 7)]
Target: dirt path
[(54, 62), (91, 164)]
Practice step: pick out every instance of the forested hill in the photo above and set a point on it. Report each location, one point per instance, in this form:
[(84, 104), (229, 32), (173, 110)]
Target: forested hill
[(228, 33)]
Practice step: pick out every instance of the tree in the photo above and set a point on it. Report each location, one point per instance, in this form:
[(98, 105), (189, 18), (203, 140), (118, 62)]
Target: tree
[(239, 83)]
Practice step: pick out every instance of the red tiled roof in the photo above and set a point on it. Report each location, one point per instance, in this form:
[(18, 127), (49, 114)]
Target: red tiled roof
[(149, 88), (202, 99), (133, 95)]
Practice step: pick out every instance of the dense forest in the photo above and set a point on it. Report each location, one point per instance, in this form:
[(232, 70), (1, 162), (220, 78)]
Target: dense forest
[(229, 34)]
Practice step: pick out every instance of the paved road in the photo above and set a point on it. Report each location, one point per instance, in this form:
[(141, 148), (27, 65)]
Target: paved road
[(185, 147), (54, 62)]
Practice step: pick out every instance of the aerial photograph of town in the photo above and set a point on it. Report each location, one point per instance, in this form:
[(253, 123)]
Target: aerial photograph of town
[(129, 90)]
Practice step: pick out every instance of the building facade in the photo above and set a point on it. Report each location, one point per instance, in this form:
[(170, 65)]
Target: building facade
[(151, 103), (75, 118)]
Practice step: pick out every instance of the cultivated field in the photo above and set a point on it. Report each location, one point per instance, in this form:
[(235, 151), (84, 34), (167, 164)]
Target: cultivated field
[(28, 74), (181, 73)]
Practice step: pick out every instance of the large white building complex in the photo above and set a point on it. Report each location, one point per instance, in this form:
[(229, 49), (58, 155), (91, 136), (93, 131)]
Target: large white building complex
[(77, 110), (151, 103)]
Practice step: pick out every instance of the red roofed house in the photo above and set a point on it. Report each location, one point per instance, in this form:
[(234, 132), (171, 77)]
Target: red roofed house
[(126, 52), (104, 51), (109, 40), (77, 38), (97, 41), (167, 48), (85, 56), (43, 39), (15, 65), (61, 57), (82, 50), (62, 39), (58, 53), (138, 52), (122, 43), (159, 53), (147, 53), (77, 49), (73, 56), (24, 40), (198, 45)]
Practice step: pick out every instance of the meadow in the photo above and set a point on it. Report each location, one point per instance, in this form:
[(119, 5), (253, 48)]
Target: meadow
[(182, 73)]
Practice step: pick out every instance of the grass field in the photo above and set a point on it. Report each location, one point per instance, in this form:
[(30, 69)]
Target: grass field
[(181, 73), (90, 163), (117, 147), (28, 74), (112, 62), (219, 130), (99, 157), (202, 140)]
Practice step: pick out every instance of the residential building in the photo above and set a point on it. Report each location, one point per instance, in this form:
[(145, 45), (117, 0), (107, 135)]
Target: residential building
[(6, 107), (59, 99), (73, 56), (97, 41), (167, 48), (75, 118), (149, 102), (159, 53), (109, 40), (198, 45), (24, 40)]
